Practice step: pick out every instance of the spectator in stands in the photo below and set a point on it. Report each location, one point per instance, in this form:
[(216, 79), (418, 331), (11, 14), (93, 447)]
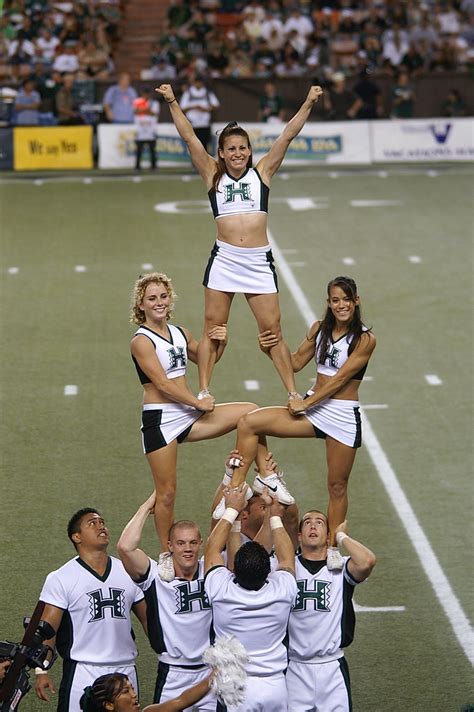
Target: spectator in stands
[(178, 14), (264, 54), (240, 65), (340, 102), (217, 61), (412, 61), (424, 37), (453, 105), (66, 104), (163, 69), (118, 101), (370, 104), (271, 104), (46, 45), (27, 104), (403, 97), (198, 103), (20, 55), (70, 31), (299, 22), (66, 61), (93, 61), (48, 83), (290, 65), (395, 48)]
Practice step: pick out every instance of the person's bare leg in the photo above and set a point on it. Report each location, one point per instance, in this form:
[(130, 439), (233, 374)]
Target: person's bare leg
[(216, 312), (266, 310), (163, 468), (340, 459)]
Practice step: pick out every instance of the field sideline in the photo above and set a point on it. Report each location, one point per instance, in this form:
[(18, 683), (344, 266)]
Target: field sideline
[(71, 249)]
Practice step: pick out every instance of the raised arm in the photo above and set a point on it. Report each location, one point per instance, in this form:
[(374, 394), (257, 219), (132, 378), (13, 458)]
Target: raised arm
[(357, 360), (203, 162), (270, 163), (235, 502), (135, 560), (362, 559), (284, 549), (144, 352)]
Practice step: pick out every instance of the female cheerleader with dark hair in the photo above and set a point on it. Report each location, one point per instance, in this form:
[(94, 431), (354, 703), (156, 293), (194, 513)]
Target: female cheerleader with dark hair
[(241, 260), (115, 693), (341, 345)]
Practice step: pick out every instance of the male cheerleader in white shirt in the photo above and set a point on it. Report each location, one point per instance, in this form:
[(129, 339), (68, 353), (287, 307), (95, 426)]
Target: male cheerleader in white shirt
[(253, 603), (88, 601), (322, 620), (178, 612)]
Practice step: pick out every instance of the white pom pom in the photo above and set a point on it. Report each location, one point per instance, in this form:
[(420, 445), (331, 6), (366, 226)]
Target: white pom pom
[(227, 657)]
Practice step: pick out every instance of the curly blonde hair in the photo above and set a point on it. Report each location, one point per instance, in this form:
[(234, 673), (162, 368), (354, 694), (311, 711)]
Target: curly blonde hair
[(137, 315)]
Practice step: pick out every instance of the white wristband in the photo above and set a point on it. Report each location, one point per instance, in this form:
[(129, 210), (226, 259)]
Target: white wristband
[(230, 515), (236, 527), (340, 536), (275, 522), (40, 671)]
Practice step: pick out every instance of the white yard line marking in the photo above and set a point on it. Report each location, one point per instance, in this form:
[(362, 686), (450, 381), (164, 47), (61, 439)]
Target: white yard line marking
[(284, 176), (433, 380), (428, 559), (297, 264), (13, 270), (136, 179), (186, 178), (378, 609), (334, 174), (432, 174), (374, 203), (434, 573), (374, 406), (368, 378), (87, 181), (71, 390), (415, 259), (348, 261), (382, 174), (80, 268), (147, 265), (301, 203), (252, 385), (38, 181)]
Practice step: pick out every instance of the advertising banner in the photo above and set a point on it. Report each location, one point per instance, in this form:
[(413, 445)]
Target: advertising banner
[(52, 147), (338, 142), (117, 147), (327, 143), (6, 149), (423, 140)]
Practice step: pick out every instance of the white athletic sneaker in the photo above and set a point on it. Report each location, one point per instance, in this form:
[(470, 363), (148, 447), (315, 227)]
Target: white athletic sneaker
[(165, 566), (277, 486), (334, 560), (220, 509)]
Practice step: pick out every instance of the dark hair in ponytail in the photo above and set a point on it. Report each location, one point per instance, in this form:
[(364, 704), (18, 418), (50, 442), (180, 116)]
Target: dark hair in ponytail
[(356, 327), (105, 689), (232, 129)]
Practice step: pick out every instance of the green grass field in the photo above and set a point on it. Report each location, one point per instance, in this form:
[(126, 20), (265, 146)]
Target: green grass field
[(412, 260)]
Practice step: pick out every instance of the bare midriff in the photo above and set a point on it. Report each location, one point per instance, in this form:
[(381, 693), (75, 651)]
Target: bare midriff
[(152, 394), (348, 392), (243, 229)]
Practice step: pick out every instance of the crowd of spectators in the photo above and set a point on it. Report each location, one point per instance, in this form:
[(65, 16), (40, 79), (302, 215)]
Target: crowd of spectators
[(55, 50), (52, 52), (287, 38)]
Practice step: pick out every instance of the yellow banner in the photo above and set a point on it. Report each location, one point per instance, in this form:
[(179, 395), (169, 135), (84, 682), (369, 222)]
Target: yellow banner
[(52, 147)]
